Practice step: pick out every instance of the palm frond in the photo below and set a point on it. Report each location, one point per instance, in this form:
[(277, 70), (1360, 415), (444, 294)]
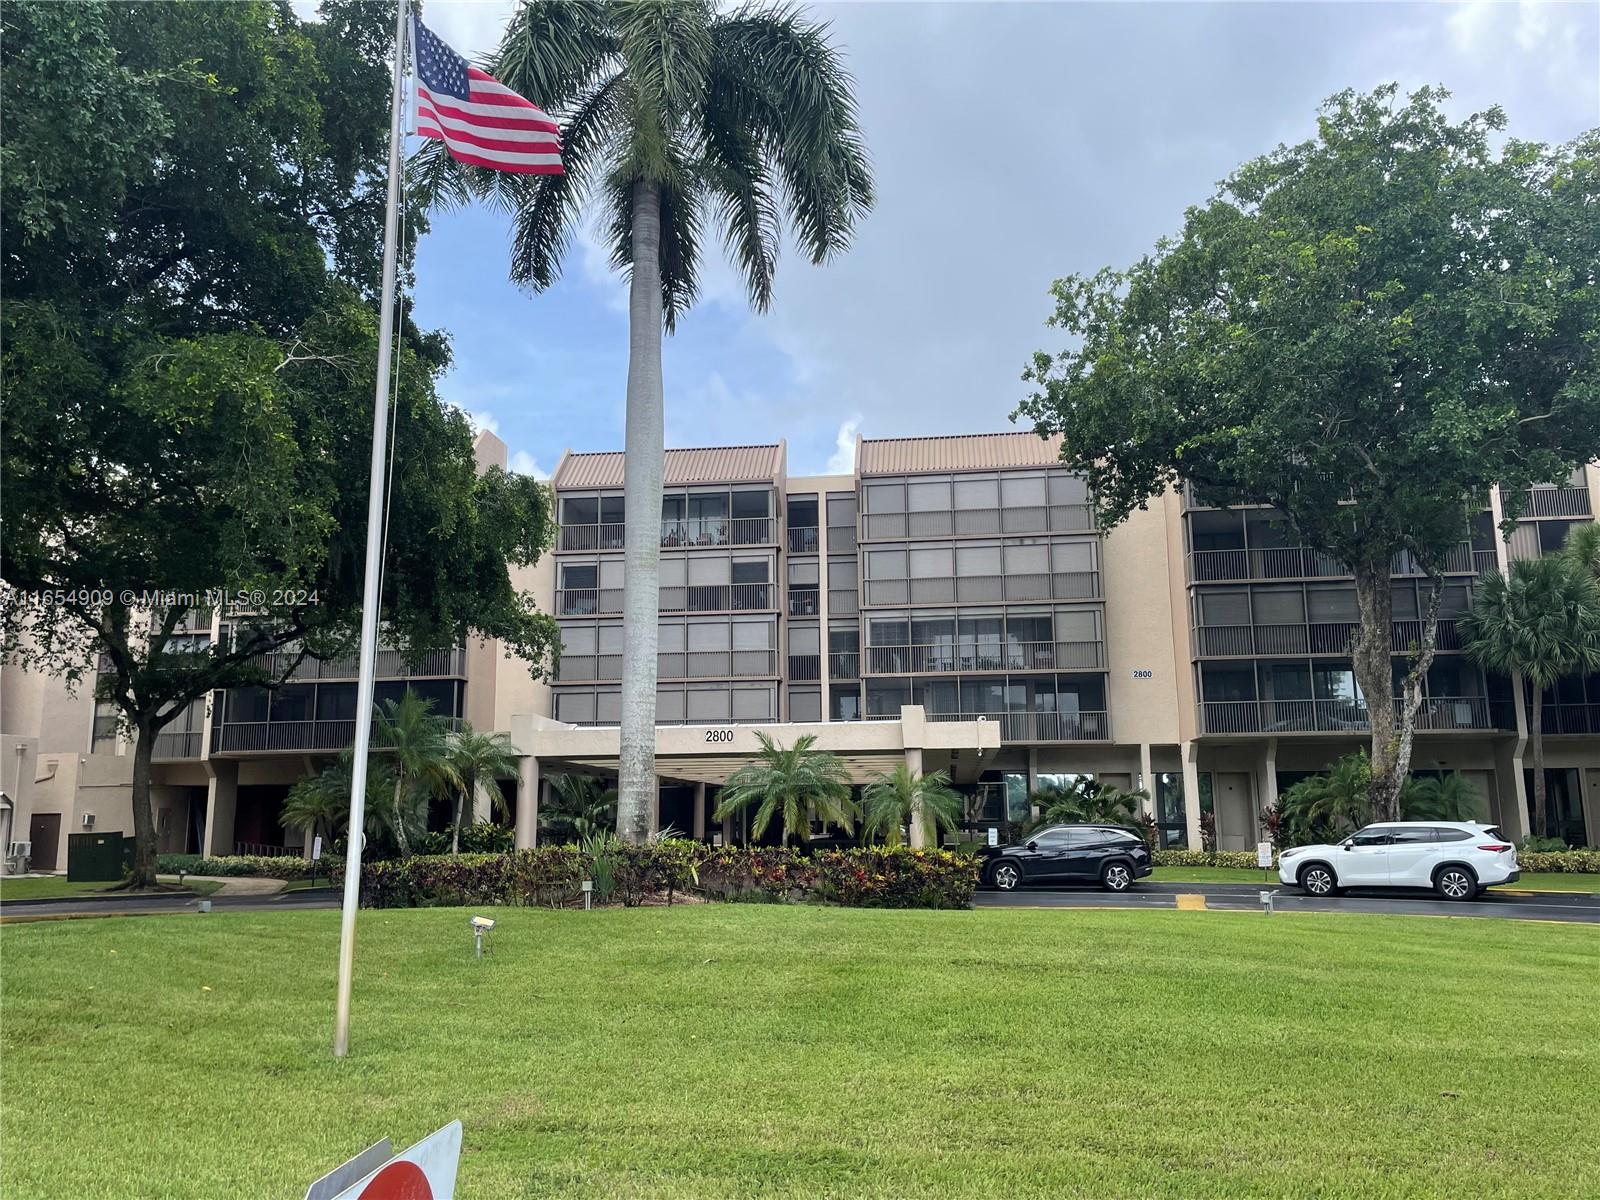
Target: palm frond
[(553, 51)]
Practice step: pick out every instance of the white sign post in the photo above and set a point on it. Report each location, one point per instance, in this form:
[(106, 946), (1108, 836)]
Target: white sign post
[(316, 848), (427, 1171), (1264, 858)]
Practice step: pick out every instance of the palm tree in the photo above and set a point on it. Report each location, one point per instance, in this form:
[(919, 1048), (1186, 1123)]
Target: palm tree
[(791, 784), (1326, 807), (676, 116), (1446, 798), (580, 806), (1542, 621), (1582, 547), (422, 766), (897, 798), (1084, 800), (476, 759), (320, 803)]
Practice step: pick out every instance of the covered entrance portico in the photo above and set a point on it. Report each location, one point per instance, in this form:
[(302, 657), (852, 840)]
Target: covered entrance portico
[(692, 758)]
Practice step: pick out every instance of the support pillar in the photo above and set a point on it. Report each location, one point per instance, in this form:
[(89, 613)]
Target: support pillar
[(527, 833), (482, 810), (918, 832), (222, 803), (1147, 782), (1033, 785), (1191, 794), (700, 811), (1269, 777)]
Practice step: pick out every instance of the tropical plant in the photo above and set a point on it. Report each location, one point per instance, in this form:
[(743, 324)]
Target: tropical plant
[(1361, 330), (420, 756), (601, 851), (791, 785), (1324, 808), (476, 760), (892, 800), (1540, 622), (1582, 547), (1439, 798), (579, 806), (320, 803), (1084, 800), (675, 115)]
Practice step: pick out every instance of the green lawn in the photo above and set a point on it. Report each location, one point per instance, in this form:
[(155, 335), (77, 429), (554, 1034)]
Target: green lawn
[(1548, 881), (715, 1051), (57, 887)]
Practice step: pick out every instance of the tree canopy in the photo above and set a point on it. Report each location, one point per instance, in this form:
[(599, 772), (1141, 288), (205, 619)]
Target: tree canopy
[(1365, 331)]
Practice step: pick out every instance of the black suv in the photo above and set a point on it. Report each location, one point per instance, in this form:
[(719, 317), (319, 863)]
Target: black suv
[(1103, 854)]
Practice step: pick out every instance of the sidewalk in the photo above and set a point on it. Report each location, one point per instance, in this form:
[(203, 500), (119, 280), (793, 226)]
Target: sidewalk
[(232, 885)]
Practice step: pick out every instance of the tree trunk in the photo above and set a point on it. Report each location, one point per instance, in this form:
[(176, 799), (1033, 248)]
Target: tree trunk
[(1536, 732), (400, 816), (144, 825), (455, 827), (1411, 687), (1370, 660), (643, 455)]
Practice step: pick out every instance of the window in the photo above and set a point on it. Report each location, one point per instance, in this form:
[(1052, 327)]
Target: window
[(1022, 491), (607, 708), (841, 511), (708, 704), (292, 702), (1279, 606), (1444, 833), (611, 510), (805, 704), (247, 704), (674, 571), (971, 494), (1403, 599), (708, 570), (934, 562), (1072, 556), (804, 639), (576, 576), (1224, 608), (336, 702), (669, 706), (753, 635), (885, 564), (1412, 836), (885, 497), (671, 639), (928, 497), (707, 635), (1373, 836), (886, 696), (1077, 625), (977, 560), (844, 703), (1331, 604), (575, 708), (752, 704), (751, 571), (803, 574), (755, 504), (579, 639), (843, 641), (888, 631), (1068, 489), (1027, 560), (580, 510)]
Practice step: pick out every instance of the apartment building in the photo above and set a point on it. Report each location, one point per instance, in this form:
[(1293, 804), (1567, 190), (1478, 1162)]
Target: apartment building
[(950, 604)]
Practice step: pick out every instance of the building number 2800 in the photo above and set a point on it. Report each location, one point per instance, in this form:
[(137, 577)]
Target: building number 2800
[(719, 735)]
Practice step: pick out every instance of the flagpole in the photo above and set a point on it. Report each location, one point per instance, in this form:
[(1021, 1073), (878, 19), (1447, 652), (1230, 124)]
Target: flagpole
[(375, 534)]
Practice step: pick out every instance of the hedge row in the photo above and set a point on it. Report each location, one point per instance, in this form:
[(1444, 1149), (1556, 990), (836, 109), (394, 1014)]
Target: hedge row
[(282, 867), (1564, 862), (552, 876)]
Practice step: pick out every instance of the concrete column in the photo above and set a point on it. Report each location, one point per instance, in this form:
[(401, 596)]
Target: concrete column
[(1147, 782), (1033, 785), (1513, 789), (482, 803), (1191, 793), (222, 803), (1269, 776), (918, 833), (700, 811), (527, 836)]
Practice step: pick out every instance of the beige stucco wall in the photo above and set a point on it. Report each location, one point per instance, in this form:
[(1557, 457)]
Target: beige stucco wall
[(1135, 568)]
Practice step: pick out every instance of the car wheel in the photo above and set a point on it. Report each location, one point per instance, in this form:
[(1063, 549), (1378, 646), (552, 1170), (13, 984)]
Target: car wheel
[(1455, 883), (1118, 877), (1006, 877), (1319, 880)]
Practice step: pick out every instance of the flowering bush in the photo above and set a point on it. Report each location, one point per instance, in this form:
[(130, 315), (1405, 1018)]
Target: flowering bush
[(1243, 859), (552, 875)]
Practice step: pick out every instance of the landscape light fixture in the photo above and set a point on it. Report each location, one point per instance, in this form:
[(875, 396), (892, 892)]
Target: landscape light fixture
[(480, 927), (1266, 901)]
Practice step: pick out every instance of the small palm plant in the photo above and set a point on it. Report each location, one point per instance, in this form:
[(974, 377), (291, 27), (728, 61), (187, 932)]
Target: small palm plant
[(1448, 798), (1327, 807), (320, 804), (1582, 548), (476, 759), (421, 757), (791, 785), (894, 799), (579, 807), (1084, 800), (1541, 621)]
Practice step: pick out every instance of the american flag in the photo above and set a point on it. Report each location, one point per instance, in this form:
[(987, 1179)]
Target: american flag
[(480, 120)]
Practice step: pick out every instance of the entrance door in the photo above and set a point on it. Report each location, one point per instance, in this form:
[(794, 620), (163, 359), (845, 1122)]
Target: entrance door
[(1231, 803), (44, 831)]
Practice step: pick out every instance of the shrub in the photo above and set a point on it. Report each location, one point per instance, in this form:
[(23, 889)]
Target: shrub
[(1242, 859), (877, 877), (479, 838), (1563, 862), (242, 866)]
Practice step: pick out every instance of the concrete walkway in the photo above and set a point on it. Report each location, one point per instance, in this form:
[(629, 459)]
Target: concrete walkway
[(232, 885)]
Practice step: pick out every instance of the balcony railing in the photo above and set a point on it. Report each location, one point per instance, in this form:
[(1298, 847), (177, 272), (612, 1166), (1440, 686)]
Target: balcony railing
[(391, 664), (243, 737), (844, 664), (985, 656), (841, 538), (985, 589), (804, 667), (1327, 637), (1570, 718), (1557, 502), (693, 531), (674, 664), (709, 597), (804, 601), (803, 539), (1040, 726), (1052, 518), (177, 743), (843, 602), (1295, 562), (1348, 716)]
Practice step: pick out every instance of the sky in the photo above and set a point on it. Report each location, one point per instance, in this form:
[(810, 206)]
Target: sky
[(1011, 144)]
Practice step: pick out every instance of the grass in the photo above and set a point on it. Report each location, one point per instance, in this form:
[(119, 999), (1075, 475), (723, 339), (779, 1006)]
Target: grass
[(1538, 881), (58, 887), (720, 1051)]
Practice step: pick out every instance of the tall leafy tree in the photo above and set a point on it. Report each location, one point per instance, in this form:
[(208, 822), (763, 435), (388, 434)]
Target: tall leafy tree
[(898, 799), (791, 785), (476, 759), (1366, 331), (679, 119), (189, 262), (1539, 622)]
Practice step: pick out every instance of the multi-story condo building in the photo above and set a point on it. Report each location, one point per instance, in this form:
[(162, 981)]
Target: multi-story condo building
[(949, 604)]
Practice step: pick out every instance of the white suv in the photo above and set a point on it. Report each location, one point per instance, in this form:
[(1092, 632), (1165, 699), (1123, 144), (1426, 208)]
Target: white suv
[(1457, 859)]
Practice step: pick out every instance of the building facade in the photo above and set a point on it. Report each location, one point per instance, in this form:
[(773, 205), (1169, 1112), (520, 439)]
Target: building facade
[(950, 604)]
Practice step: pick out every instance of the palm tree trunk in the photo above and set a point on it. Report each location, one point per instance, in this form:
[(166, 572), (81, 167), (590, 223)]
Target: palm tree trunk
[(643, 455), (400, 816), (1536, 732), (455, 827)]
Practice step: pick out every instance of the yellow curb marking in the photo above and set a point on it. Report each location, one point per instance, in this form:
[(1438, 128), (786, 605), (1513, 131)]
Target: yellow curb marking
[(1192, 902)]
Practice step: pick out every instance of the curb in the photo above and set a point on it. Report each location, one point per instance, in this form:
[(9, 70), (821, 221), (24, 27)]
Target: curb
[(98, 898)]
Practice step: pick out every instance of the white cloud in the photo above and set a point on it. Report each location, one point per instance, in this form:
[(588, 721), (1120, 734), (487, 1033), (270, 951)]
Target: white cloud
[(843, 461), (522, 463), (471, 27), (482, 422)]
